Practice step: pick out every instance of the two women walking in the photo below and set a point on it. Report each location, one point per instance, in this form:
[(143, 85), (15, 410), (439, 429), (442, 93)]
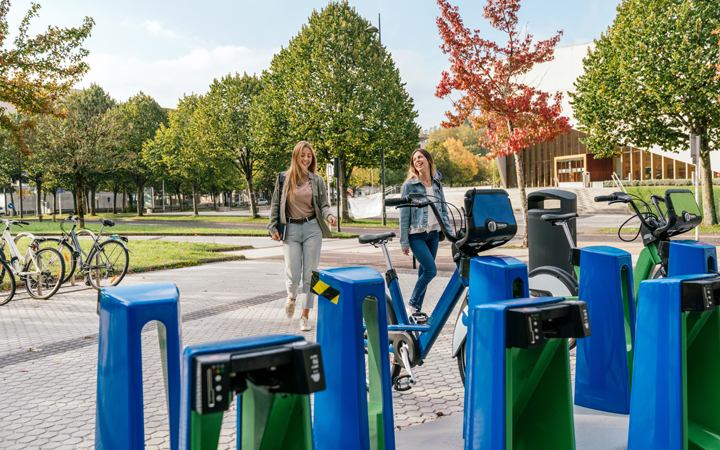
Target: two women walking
[(298, 214)]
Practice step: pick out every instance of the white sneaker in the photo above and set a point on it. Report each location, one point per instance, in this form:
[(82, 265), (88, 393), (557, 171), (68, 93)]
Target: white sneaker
[(290, 308), (304, 325)]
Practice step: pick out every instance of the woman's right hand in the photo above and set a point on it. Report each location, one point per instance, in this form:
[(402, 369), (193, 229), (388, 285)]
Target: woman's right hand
[(406, 252), (276, 236)]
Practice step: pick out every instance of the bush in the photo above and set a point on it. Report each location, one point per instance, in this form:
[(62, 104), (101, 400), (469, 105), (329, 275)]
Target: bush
[(716, 181), (608, 184), (635, 183), (683, 182), (130, 209)]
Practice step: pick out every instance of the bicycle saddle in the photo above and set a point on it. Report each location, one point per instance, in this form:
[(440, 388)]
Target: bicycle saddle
[(107, 222), (554, 218), (375, 238)]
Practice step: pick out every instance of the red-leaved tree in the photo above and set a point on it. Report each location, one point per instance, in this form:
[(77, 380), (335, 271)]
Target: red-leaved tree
[(512, 114)]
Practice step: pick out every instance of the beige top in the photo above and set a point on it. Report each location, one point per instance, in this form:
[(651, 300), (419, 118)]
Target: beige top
[(301, 204)]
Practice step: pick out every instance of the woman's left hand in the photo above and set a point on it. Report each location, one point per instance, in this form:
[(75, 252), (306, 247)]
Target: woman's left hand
[(333, 221)]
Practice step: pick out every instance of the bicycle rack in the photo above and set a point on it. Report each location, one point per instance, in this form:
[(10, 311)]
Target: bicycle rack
[(364, 406), (675, 402)]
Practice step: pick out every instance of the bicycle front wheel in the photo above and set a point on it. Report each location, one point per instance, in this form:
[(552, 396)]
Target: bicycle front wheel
[(47, 270), (7, 283), (67, 253), (108, 265)]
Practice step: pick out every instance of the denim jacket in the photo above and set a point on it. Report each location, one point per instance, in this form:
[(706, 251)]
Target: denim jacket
[(415, 220)]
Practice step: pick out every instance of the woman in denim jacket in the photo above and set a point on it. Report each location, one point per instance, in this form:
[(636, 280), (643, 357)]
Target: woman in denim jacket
[(419, 228)]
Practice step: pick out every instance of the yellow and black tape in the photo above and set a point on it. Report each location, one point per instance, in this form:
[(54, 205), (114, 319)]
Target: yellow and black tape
[(322, 289)]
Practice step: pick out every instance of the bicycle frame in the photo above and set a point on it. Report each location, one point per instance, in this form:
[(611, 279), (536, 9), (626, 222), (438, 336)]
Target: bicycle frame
[(15, 256), (427, 333)]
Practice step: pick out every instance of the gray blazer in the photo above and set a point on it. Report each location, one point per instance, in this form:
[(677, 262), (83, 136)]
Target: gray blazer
[(319, 201)]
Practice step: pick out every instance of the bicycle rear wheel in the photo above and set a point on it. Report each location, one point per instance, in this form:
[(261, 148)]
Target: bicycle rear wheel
[(108, 265), (67, 253), (7, 283), (48, 271)]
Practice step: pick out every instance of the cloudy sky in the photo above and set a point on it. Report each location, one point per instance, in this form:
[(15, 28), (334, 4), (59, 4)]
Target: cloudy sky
[(168, 48)]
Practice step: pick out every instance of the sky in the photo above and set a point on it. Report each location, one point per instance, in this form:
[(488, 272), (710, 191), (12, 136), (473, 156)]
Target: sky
[(170, 48)]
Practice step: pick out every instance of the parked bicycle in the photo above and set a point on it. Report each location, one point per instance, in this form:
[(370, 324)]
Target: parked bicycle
[(41, 269), (104, 264), (487, 222)]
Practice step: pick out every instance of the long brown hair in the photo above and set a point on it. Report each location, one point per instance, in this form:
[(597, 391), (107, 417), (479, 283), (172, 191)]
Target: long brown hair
[(296, 173), (413, 173)]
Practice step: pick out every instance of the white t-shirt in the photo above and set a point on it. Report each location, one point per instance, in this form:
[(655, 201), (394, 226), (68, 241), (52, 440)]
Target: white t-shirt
[(433, 224)]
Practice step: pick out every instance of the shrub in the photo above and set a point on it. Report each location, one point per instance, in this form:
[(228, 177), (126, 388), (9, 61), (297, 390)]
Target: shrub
[(608, 184), (716, 181), (635, 183)]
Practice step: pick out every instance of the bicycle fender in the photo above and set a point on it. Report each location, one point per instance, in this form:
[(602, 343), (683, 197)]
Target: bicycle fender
[(460, 332)]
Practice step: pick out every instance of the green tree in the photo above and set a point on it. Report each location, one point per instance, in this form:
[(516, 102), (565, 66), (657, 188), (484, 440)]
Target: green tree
[(141, 116), (38, 70), (84, 141), (182, 152), (224, 121), (336, 88), (650, 81)]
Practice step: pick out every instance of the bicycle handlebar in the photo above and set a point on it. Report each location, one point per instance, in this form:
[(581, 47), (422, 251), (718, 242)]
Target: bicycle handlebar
[(421, 201), (606, 198), (398, 201)]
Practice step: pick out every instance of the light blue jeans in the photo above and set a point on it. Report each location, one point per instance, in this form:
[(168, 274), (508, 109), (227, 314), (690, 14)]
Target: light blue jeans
[(302, 245)]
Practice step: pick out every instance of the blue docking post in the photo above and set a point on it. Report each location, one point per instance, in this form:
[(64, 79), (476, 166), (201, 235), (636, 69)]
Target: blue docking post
[(691, 258), (604, 360), (518, 393), (346, 415), (675, 402), (123, 312)]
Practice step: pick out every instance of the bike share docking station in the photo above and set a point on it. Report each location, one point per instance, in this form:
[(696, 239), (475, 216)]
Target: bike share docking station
[(355, 411), (518, 391), (675, 402), (272, 377)]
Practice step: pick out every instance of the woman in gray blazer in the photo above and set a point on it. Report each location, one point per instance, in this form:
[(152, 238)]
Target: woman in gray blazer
[(303, 207)]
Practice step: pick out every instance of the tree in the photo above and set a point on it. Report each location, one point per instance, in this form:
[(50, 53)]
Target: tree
[(334, 87), (650, 82), (141, 116), (84, 140), (180, 151), (466, 162), (224, 117), (513, 115), (38, 71), (469, 137)]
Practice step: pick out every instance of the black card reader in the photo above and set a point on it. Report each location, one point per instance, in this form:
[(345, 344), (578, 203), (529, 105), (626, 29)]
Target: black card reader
[(528, 327)]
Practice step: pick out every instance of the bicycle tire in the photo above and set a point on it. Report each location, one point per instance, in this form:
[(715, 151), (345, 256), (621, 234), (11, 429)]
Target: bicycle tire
[(52, 268), (550, 281), (7, 283), (66, 250), (461, 361), (113, 264)]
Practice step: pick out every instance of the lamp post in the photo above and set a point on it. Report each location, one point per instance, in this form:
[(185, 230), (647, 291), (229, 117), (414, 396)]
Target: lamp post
[(373, 29)]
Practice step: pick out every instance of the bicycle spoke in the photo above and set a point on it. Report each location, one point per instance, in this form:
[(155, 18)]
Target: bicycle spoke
[(108, 266)]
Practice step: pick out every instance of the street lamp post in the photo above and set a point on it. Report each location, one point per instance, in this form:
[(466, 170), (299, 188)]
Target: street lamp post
[(373, 29)]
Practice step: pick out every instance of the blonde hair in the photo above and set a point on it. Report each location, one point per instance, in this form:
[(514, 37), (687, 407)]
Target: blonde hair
[(296, 173), (413, 173)]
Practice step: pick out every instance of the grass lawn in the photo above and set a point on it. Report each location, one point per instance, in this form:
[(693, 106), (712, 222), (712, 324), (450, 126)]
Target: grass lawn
[(206, 218), (156, 255), (53, 229)]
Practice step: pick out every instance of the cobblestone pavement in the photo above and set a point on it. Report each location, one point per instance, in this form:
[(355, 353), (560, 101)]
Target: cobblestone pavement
[(48, 353)]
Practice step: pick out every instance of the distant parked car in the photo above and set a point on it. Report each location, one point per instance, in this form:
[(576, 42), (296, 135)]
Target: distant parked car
[(262, 202)]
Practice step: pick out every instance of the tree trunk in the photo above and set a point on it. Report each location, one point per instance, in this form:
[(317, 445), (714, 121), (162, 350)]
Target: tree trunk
[(523, 198), (343, 182), (38, 200), (195, 199), (115, 192), (79, 200), (75, 201), (708, 196), (93, 211), (140, 199), (54, 219), (253, 199)]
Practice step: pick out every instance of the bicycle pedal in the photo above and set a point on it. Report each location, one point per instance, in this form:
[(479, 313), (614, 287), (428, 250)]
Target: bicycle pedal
[(420, 318), (403, 383)]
